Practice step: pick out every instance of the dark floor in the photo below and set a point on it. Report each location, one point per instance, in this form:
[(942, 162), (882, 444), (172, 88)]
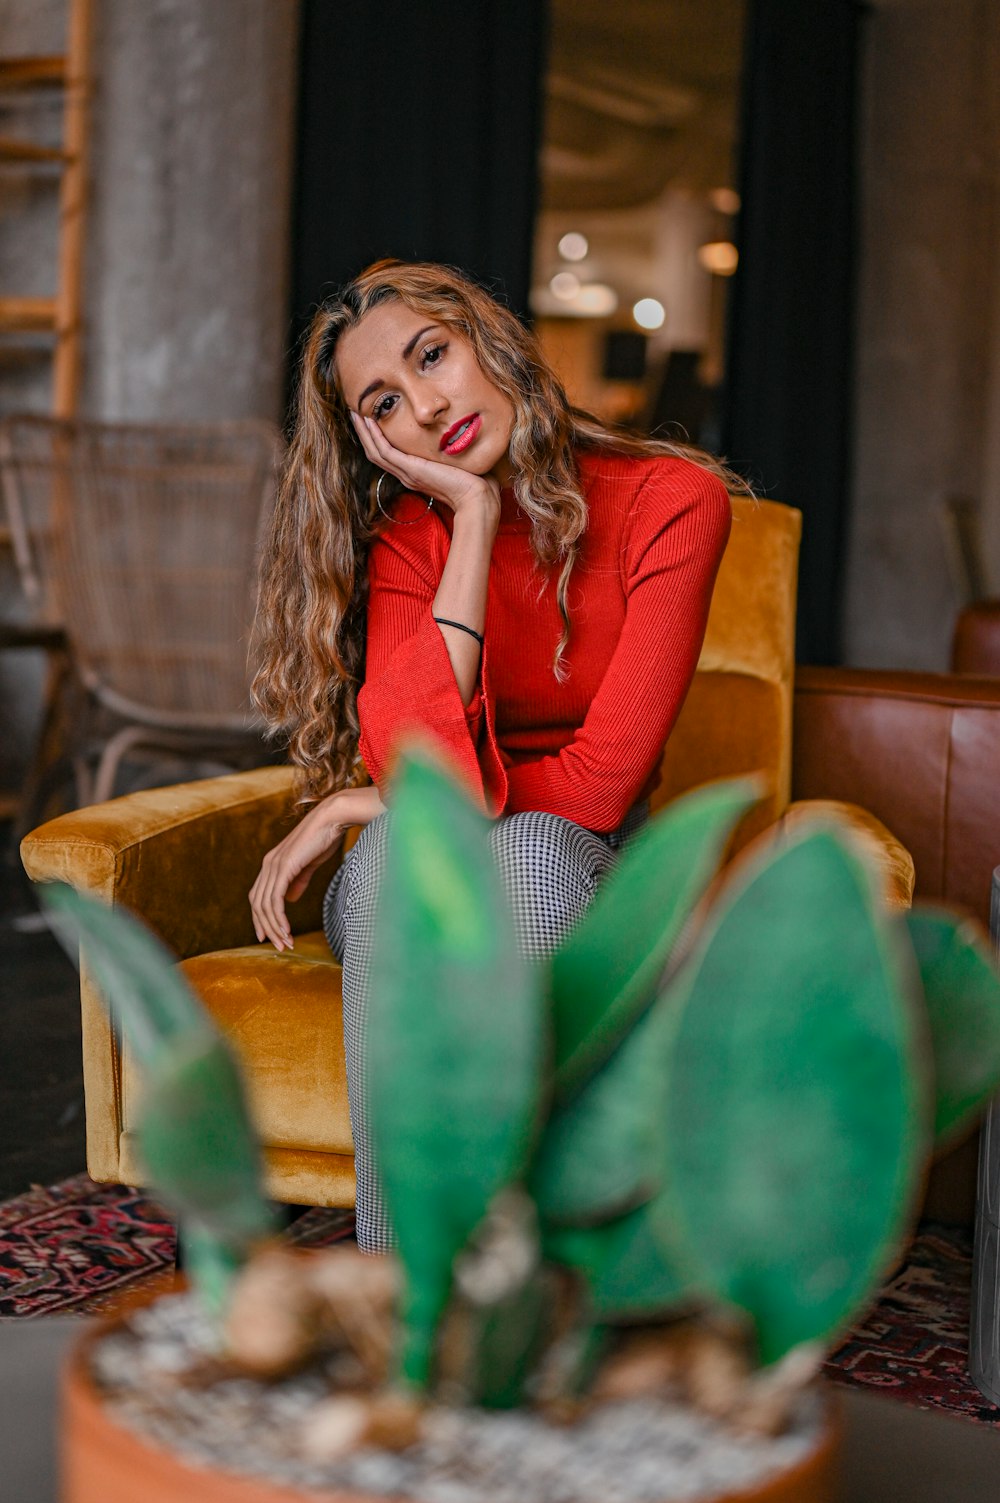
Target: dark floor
[(42, 1136), (41, 1081)]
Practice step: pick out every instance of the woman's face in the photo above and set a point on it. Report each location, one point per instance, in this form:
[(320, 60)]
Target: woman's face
[(422, 384)]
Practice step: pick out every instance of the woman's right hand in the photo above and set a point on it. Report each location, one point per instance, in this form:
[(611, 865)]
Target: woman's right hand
[(286, 870)]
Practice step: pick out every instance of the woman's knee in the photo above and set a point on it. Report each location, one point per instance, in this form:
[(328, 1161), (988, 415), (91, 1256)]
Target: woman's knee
[(365, 865), (354, 886), (531, 840), (540, 851), (368, 851)]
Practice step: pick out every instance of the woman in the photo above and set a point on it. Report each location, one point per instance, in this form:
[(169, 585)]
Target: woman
[(457, 550)]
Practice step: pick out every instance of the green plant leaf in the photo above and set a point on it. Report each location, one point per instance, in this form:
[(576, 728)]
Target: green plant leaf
[(455, 1040), (196, 1141), (626, 1265), (508, 1339), (199, 1150), (962, 993), (605, 972), (135, 972), (501, 1307), (599, 1154), (797, 1095)]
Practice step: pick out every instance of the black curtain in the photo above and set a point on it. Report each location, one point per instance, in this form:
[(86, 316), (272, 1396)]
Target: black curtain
[(786, 409), (418, 136)]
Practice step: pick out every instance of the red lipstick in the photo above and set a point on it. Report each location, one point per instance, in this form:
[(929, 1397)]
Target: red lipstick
[(461, 434)]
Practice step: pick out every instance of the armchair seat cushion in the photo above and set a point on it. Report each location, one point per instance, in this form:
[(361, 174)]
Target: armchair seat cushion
[(282, 1014)]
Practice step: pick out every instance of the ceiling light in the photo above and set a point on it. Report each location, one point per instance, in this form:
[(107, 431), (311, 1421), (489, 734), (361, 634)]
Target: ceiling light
[(726, 200), (564, 284), (720, 257), (574, 246), (648, 313), (596, 299), (589, 300)]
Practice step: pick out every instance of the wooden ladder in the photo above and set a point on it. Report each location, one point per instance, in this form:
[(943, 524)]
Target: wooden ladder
[(60, 315)]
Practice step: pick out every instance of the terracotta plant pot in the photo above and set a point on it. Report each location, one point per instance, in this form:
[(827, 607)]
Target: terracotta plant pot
[(102, 1462)]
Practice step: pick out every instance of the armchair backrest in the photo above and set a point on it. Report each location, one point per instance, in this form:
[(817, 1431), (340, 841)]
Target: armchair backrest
[(29, 528), (737, 717)]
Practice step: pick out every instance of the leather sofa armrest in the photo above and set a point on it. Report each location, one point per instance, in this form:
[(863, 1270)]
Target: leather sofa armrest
[(975, 645), (921, 751), (183, 858)]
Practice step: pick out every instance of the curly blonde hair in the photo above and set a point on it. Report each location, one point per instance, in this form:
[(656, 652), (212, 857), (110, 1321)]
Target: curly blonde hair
[(310, 629)]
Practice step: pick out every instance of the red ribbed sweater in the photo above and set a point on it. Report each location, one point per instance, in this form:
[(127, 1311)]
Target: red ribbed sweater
[(587, 748)]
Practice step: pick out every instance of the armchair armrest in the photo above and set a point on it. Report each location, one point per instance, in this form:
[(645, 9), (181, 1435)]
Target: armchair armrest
[(888, 857), (183, 858)]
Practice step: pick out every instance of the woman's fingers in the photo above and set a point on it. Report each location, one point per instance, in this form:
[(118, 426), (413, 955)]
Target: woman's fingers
[(380, 451), (267, 899), (257, 908), (268, 906), (385, 452), (257, 926), (274, 911), (285, 873), (364, 437), (415, 473)]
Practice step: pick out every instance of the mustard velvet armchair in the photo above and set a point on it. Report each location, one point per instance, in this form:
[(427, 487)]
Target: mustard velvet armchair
[(185, 857)]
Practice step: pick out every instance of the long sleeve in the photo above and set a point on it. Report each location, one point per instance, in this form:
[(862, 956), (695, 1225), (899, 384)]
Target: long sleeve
[(675, 536), (586, 747), (409, 683)]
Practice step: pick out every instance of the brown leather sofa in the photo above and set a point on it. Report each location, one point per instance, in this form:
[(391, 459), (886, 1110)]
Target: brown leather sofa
[(184, 858), (921, 751), (975, 646)]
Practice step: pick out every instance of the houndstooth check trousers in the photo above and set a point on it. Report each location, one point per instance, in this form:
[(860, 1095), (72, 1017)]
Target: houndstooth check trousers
[(550, 869)]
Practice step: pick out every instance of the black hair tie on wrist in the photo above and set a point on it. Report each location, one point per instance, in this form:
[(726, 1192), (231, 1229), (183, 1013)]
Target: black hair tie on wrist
[(443, 621)]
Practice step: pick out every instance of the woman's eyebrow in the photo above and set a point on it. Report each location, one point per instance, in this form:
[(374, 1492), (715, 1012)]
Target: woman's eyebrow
[(407, 352)]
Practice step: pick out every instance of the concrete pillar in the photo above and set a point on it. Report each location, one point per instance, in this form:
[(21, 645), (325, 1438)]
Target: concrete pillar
[(189, 222), (192, 161), (928, 333)]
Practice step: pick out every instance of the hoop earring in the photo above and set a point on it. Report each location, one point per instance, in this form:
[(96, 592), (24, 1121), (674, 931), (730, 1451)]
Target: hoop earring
[(388, 515)]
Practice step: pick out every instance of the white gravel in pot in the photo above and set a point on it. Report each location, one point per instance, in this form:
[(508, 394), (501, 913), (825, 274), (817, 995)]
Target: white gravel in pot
[(636, 1451)]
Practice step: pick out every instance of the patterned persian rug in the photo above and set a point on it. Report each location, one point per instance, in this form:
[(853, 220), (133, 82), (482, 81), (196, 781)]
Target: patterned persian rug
[(81, 1248), (913, 1343)]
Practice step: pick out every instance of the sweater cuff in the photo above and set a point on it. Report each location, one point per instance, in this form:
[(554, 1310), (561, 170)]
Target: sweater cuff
[(474, 712), (491, 761), (416, 694)]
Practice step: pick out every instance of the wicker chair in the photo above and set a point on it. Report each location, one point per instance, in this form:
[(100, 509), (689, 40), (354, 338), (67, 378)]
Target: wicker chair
[(143, 540), (32, 622)]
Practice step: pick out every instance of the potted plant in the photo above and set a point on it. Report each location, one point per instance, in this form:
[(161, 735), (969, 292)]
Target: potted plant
[(638, 1188)]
